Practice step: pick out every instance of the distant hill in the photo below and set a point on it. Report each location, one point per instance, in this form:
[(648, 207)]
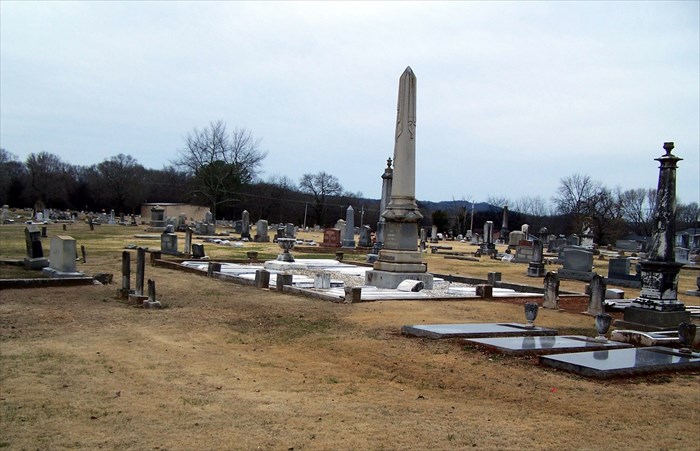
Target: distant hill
[(452, 205)]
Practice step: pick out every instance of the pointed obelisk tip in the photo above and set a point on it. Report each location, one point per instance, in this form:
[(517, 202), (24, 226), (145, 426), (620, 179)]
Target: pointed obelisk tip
[(408, 71)]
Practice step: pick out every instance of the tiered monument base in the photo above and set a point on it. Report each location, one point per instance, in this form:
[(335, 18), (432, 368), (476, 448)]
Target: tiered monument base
[(648, 320)]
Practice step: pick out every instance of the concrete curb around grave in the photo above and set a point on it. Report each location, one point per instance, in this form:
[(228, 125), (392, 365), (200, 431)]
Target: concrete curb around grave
[(43, 283)]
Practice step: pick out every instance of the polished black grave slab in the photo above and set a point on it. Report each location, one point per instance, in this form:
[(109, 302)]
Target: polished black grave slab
[(624, 362), (474, 330), (543, 344)]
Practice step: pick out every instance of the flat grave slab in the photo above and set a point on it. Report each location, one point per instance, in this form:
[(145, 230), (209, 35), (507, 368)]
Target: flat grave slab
[(544, 344), (474, 330), (624, 362)]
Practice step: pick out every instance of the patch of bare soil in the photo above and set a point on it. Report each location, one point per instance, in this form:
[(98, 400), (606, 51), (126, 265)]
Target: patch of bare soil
[(230, 367)]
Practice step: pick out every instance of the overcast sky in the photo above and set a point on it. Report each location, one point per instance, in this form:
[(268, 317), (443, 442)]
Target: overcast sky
[(511, 96)]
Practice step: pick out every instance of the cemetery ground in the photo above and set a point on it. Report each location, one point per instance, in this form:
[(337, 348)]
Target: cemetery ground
[(226, 366)]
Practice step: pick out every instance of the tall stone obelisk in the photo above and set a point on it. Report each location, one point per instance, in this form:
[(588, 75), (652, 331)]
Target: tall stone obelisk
[(657, 307), (400, 259)]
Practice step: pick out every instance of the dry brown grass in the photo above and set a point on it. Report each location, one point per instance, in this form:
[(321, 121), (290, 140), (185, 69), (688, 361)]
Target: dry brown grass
[(229, 367)]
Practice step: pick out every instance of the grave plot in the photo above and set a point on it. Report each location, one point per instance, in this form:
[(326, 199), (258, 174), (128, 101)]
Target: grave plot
[(605, 364), (475, 330), (540, 345)]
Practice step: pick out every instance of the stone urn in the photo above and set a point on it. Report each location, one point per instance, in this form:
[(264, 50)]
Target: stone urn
[(686, 336), (531, 313), (602, 324), (286, 244), (252, 255)]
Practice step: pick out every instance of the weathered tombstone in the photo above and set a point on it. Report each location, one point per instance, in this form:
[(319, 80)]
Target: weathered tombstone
[(682, 255), (555, 244), (262, 278), (331, 238), (124, 291), (365, 236), (111, 218), (157, 217), (596, 300), (551, 290), (245, 224), (524, 252), (434, 234), (515, 237), (573, 240), (238, 227), (138, 296), (261, 232), (35, 254), (353, 295), (213, 267), (525, 228), (5, 214), (198, 250), (400, 258), (62, 257), (536, 267), (43, 232), (577, 263), (168, 243), (188, 241), (282, 280), (349, 236), (504, 225), (322, 280), (290, 231)]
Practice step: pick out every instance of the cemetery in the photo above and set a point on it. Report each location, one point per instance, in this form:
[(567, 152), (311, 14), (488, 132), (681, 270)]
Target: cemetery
[(231, 329)]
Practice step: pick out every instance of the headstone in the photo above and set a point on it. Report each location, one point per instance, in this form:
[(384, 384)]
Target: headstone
[(555, 244), (400, 258), (524, 252), (35, 254), (168, 243), (111, 218), (551, 291), (261, 232), (434, 234), (331, 238), (504, 225), (140, 269), (62, 255), (188, 241), (290, 230), (262, 278), (536, 267), (198, 250), (245, 219), (5, 214), (525, 228), (515, 237), (157, 217), (577, 263), (212, 268), (349, 236), (340, 225), (573, 240), (125, 289), (322, 280), (682, 255), (596, 299), (619, 273), (365, 236)]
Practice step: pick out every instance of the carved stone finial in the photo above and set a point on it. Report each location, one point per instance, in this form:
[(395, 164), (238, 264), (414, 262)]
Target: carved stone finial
[(668, 147), (388, 163)]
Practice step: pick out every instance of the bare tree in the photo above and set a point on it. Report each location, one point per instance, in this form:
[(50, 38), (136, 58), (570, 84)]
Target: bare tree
[(321, 186), (220, 162), (49, 179), (637, 209), (118, 182)]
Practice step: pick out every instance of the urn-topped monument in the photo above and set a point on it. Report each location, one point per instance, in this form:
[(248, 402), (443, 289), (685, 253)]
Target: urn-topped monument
[(399, 258), (658, 307)]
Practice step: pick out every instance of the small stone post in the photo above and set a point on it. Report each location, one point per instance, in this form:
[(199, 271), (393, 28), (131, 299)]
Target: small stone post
[(262, 278), (83, 251), (282, 280), (123, 292), (151, 290), (188, 241), (212, 268), (596, 299), (140, 270)]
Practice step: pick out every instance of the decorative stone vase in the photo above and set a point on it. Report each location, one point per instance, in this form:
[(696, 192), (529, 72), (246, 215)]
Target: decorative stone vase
[(686, 336), (286, 244), (531, 313), (602, 324), (252, 255)]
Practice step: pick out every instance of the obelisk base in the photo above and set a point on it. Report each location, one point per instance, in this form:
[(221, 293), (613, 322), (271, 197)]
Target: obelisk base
[(648, 320), (391, 280)]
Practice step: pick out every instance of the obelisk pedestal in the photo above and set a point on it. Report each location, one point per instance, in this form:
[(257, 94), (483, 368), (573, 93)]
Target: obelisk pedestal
[(400, 258), (657, 307)]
